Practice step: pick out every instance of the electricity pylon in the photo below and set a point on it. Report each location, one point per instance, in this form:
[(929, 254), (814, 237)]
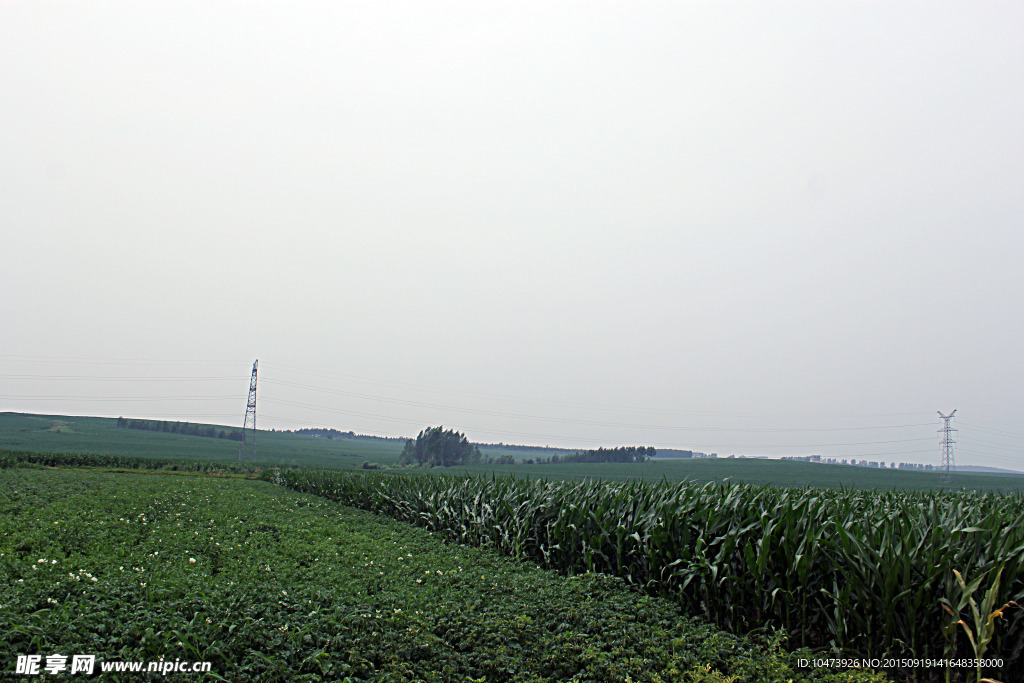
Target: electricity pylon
[(948, 462), (248, 445)]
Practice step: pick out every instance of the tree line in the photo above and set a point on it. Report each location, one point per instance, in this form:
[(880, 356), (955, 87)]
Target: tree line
[(187, 428), (619, 454), (330, 433), (438, 447)]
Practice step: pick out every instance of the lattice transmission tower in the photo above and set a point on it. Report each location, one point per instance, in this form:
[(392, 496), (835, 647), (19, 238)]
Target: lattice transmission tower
[(947, 431), (248, 444)]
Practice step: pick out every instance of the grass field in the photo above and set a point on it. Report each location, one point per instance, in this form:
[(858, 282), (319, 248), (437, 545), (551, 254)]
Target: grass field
[(100, 435), (268, 584), (71, 434), (775, 472)]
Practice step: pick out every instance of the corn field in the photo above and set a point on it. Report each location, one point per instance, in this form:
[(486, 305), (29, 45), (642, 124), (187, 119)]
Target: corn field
[(859, 571)]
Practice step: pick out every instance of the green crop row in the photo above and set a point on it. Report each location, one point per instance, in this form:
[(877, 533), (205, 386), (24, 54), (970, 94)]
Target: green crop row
[(859, 571), (17, 458)]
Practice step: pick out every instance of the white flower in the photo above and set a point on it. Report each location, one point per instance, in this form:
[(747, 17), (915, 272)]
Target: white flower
[(191, 560)]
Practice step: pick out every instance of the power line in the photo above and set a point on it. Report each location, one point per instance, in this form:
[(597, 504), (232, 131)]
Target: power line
[(988, 444), (135, 378), (111, 361), (326, 409), (439, 407), (875, 455), (544, 418), (193, 416), (432, 389), (998, 432), (619, 408)]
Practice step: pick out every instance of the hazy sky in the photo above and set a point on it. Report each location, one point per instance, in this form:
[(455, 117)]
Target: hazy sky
[(743, 227)]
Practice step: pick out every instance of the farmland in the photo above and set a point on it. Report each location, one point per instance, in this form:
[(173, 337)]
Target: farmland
[(70, 434), (270, 584), (774, 472), (73, 434), (842, 560), (863, 571)]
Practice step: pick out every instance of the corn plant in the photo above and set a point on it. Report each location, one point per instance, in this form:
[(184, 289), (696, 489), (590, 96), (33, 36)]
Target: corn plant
[(984, 620)]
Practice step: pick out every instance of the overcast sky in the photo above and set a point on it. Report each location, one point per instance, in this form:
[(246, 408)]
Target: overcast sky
[(763, 228)]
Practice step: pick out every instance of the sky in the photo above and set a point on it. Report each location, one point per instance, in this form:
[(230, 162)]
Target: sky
[(770, 229)]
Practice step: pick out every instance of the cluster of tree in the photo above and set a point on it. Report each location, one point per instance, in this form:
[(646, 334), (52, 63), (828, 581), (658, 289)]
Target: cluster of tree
[(435, 446), (325, 433), (187, 428), (620, 454), (328, 433)]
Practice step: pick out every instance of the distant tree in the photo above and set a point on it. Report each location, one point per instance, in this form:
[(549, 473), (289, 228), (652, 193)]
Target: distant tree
[(620, 454), (437, 447)]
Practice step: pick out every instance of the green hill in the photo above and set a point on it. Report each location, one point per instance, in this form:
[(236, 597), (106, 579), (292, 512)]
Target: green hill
[(71, 434)]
